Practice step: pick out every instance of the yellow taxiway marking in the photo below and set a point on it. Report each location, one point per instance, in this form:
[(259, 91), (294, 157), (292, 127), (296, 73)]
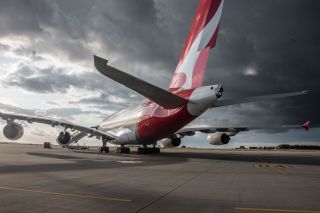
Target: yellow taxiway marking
[(276, 210), (280, 168), (270, 165), (65, 194)]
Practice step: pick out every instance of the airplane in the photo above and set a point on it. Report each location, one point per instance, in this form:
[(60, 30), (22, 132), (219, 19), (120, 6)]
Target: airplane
[(166, 114)]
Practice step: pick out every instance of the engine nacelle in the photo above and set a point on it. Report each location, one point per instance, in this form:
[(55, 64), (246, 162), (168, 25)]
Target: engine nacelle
[(63, 138), (171, 142), (13, 131), (218, 138)]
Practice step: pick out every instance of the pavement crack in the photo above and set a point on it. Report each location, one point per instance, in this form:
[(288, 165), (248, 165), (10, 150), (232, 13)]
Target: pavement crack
[(172, 190)]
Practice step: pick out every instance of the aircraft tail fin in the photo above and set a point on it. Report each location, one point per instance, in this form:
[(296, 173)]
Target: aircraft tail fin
[(201, 39)]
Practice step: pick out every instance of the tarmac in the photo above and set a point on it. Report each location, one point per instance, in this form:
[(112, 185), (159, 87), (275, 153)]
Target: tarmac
[(34, 179)]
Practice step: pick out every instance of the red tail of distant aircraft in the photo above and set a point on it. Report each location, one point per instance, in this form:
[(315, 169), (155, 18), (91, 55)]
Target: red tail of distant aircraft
[(166, 114)]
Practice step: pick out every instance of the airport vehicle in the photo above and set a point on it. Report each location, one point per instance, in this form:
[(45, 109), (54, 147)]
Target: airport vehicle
[(166, 113)]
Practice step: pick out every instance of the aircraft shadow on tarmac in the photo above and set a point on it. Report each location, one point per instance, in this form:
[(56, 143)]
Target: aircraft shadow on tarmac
[(56, 156), (242, 157), (178, 157), (84, 163), (249, 157)]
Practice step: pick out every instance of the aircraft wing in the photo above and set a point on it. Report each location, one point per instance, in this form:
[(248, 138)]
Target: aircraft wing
[(31, 119), (189, 130), (160, 96), (228, 102)]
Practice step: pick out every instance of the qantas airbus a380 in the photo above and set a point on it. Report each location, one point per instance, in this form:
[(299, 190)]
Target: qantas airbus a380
[(165, 114)]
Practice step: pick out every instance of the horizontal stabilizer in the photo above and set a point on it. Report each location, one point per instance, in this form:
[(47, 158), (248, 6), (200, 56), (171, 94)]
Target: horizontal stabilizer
[(236, 129), (156, 94), (227, 102)]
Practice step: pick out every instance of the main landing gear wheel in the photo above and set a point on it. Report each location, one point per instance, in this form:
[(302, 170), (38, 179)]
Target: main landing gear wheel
[(104, 149), (123, 150), (148, 150)]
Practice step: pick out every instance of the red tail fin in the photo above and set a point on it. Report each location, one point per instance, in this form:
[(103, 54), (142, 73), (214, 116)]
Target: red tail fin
[(306, 125), (201, 39)]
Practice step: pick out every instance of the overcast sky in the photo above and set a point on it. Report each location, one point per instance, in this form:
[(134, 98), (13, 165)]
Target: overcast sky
[(264, 46)]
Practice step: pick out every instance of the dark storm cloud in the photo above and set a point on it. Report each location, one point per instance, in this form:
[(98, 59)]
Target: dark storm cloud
[(259, 34), (4, 47), (55, 80), (279, 39), (124, 28), (23, 17), (106, 101), (52, 80), (61, 113), (42, 80)]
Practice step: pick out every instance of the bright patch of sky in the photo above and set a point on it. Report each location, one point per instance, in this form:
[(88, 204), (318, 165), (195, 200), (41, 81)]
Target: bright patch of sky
[(250, 71)]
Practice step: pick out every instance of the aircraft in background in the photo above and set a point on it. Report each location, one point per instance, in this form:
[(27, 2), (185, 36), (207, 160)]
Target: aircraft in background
[(165, 114)]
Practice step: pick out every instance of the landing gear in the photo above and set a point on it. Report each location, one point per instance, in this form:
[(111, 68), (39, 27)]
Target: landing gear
[(123, 150), (148, 150), (104, 147)]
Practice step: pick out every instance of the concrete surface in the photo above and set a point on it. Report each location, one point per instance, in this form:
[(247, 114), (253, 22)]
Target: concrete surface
[(33, 179)]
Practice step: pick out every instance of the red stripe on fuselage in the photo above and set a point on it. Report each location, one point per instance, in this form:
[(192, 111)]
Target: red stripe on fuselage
[(157, 123), (154, 128)]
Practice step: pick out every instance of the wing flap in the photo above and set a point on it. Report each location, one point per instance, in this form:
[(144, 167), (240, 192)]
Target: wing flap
[(160, 96)]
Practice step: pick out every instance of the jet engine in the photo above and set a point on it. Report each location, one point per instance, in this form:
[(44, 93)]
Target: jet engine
[(171, 142), (63, 138), (218, 138), (13, 131)]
